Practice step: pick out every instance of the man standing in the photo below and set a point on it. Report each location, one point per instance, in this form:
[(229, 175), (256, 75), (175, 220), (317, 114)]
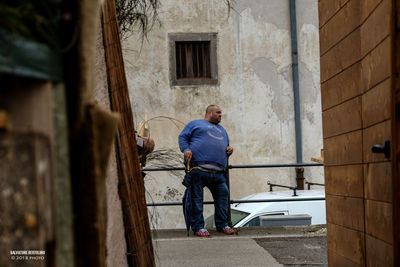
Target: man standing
[(205, 145)]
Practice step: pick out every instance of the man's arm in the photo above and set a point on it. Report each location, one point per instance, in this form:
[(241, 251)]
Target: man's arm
[(184, 141), (229, 149)]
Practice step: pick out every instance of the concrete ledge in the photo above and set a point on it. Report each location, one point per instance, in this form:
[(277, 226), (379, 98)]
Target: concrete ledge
[(261, 231)]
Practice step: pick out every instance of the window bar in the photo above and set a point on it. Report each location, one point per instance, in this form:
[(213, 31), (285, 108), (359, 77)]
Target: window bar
[(204, 61), (180, 61), (201, 65), (194, 60), (198, 60), (189, 60), (208, 68), (177, 58)]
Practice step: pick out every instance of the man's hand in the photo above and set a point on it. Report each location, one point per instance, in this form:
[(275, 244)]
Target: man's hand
[(188, 155), (229, 150), (148, 145)]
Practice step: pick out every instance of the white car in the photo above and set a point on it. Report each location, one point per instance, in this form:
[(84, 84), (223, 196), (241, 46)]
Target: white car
[(278, 213)]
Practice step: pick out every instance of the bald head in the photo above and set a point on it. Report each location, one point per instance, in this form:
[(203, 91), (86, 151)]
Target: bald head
[(213, 114), (211, 108)]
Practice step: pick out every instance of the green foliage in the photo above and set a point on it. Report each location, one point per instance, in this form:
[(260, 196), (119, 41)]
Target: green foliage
[(35, 20)]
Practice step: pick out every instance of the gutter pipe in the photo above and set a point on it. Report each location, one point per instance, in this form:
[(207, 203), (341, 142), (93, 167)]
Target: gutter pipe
[(295, 73)]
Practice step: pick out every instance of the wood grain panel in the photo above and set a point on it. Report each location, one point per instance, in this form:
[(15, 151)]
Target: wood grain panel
[(376, 134), (342, 87), (378, 253), (343, 118), (367, 7), (344, 180), (337, 260), (343, 149), (346, 242), (376, 27), (378, 220), (378, 181), (345, 211), (344, 22), (341, 56), (328, 8), (376, 104), (376, 66)]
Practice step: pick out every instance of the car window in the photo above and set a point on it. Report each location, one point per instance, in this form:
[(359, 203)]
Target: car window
[(236, 216), (256, 220)]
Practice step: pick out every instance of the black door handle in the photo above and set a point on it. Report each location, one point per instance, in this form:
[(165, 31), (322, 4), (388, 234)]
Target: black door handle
[(385, 149)]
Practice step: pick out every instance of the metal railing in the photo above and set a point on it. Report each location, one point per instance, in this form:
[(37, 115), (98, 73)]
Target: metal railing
[(245, 167), (240, 201), (254, 166), (297, 165)]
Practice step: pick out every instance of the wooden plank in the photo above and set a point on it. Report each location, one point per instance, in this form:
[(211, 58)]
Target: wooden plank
[(343, 118), (335, 259), (375, 135), (345, 211), (367, 7), (378, 181), (376, 104), (344, 180), (376, 28), (376, 67), (346, 243), (379, 220), (343, 149), (346, 20), (328, 8), (137, 228), (342, 87), (378, 253), (341, 56)]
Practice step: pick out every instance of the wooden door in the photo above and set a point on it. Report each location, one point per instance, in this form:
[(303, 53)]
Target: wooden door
[(356, 44)]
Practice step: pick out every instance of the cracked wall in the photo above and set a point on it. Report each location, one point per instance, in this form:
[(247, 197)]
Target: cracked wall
[(254, 91)]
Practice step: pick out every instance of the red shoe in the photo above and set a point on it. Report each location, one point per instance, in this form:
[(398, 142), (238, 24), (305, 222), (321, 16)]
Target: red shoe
[(202, 233), (227, 230)]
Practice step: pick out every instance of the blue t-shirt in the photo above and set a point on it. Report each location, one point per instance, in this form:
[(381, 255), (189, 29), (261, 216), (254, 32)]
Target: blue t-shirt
[(207, 141)]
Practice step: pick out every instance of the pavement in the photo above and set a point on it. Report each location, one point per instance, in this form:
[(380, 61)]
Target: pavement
[(253, 246)]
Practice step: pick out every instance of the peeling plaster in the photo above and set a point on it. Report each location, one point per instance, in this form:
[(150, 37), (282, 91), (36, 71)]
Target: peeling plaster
[(276, 12), (282, 103)]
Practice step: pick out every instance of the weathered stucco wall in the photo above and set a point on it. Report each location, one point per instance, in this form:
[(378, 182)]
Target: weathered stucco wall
[(254, 91)]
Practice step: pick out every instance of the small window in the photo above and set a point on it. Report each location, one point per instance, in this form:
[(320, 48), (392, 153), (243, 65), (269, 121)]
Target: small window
[(193, 59)]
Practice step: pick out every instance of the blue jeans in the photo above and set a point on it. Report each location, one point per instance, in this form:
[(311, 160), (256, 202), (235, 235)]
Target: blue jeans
[(216, 182)]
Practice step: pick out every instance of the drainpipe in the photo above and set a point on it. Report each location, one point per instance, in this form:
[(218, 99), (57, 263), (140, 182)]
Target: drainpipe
[(296, 95), (295, 73)]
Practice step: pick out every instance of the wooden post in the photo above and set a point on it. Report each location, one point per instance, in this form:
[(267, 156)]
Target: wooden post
[(131, 184)]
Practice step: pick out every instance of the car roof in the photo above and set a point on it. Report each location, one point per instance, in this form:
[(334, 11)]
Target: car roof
[(280, 194)]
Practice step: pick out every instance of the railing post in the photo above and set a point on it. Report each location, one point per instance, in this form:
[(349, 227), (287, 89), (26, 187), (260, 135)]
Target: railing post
[(300, 178), (229, 195)]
